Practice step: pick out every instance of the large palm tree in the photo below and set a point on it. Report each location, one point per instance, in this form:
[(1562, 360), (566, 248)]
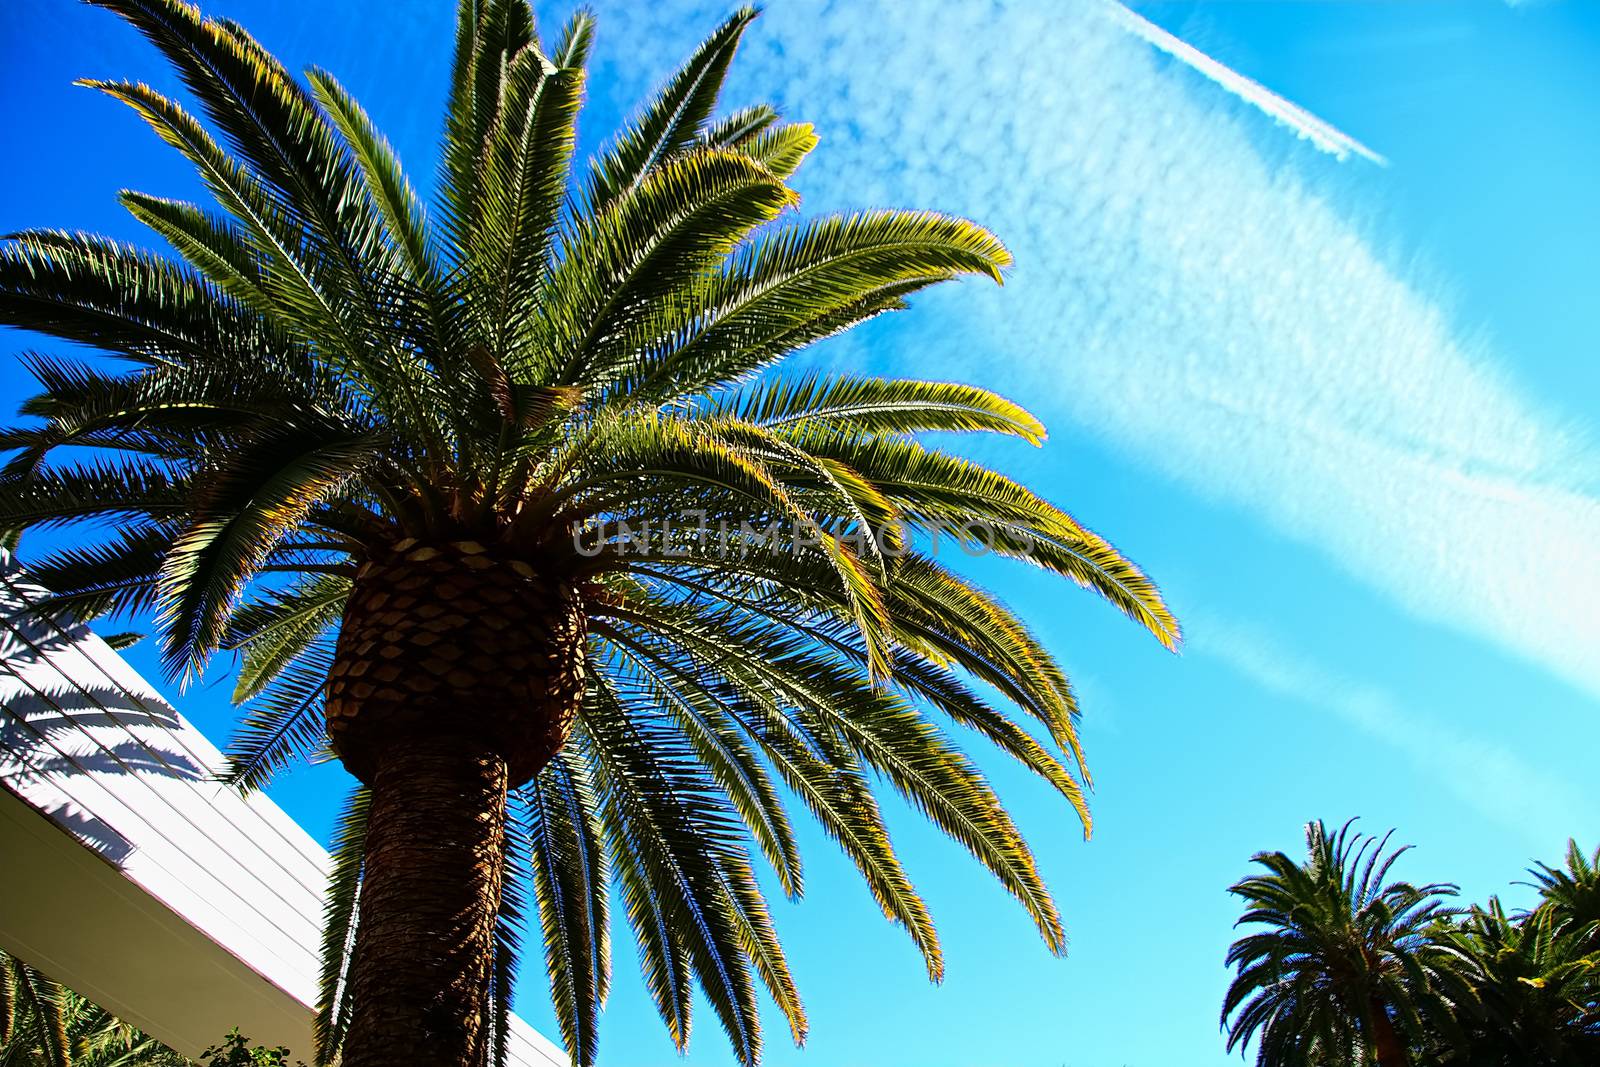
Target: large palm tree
[(1348, 968), (501, 505)]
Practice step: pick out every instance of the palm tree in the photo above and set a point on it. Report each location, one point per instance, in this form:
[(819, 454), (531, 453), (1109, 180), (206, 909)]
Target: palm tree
[(501, 504), (45, 1024), (1538, 987), (1349, 968), (1572, 894)]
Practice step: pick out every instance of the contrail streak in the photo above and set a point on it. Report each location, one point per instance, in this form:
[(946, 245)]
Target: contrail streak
[(1325, 136)]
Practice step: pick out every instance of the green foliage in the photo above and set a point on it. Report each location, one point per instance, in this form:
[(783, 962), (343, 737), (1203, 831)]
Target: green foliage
[(1343, 953), (236, 1051), (1572, 892), (1538, 985), (549, 352)]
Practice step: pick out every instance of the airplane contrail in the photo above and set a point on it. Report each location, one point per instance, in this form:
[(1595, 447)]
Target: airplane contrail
[(1323, 135)]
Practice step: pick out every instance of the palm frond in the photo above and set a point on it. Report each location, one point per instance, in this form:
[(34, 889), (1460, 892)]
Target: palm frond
[(674, 119), (265, 490), (880, 406), (284, 720), (489, 34), (686, 848), (276, 629), (46, 1004), (570, 874), (121, 300), (797, 284), (339, 918), (739, 128)]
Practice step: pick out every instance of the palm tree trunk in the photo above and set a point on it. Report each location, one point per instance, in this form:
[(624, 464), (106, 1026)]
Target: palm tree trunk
[(456, 678), (419, 978), (1386, 1040)]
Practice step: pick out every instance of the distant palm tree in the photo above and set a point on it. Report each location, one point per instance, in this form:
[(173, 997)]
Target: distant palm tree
[(1349, 968), (1572, 893), (502, 505), (1537, 984), (45, 1024)]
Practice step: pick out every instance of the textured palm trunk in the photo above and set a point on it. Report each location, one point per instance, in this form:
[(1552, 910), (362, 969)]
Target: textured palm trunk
[(420, 975), (456, 678), (1386, 1040)]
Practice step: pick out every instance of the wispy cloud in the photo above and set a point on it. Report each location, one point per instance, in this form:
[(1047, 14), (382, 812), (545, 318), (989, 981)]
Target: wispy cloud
[(1324, 135), (1480, 774), (1200, 304)]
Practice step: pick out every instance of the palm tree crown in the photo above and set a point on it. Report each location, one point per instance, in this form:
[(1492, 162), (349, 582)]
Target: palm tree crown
[(499, 500), (1344, 962), (1536, 982), (1572, 893)]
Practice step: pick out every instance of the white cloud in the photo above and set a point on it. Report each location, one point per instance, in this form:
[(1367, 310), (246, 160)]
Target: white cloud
[(1305, 125), (1480, 774), (1185, 292)]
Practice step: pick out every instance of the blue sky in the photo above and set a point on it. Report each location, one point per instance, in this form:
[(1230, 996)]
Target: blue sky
[(1343, 411)]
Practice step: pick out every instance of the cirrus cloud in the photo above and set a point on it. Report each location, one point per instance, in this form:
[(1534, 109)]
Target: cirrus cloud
[(1190, 291)]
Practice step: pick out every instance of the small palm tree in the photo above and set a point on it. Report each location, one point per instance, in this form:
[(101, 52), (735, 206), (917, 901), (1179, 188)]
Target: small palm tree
[(1572, 893), (502, 506), (45, 1024), (1538, 991), (1349, 968)]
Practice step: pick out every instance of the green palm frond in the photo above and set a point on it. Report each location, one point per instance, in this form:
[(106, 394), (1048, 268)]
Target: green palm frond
[(525, 171), (781, 149), (119, 491), (386, 183), (570, 876), (890, 736), (46, 1007), (44, 1024), (119, 299), (118, 577), (798, 284), (284, 721), (268, 118), (210, 244), (1535, 990), (511, 920), (339, 919), (737, 129), (677, 223), (267, 489), (686, 849), (673, 120), (577, 37), (1572, 891), (720, 743), (880, 406), (489, 34), (817, 766), (276, 629)]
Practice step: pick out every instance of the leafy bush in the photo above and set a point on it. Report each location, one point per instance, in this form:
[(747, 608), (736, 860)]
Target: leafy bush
[(235, 1051)]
